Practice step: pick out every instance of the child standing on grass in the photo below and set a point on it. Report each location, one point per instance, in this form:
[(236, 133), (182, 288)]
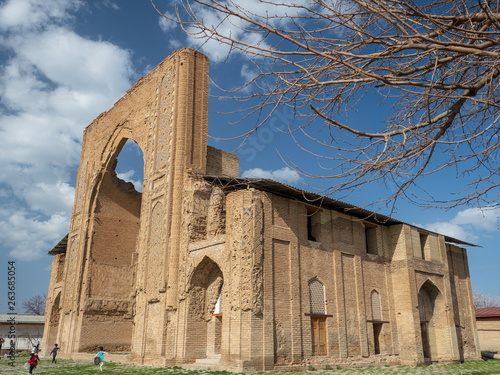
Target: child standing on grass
[(54, 353), (33, 361), (100, 354)]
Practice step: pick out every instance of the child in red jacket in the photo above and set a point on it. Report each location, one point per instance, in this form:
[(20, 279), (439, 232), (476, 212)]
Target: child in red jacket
[(33, 361)]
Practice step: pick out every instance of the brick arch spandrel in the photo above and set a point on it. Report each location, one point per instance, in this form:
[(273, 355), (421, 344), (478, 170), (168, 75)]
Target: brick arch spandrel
[(205, 286)]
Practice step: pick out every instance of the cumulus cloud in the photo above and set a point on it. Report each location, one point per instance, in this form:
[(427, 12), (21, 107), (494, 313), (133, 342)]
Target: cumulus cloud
[(279, 15), (27, 15), (53, 82), (29, 237), (165, 24), (466, 223), (286, 174), (127, 176), (247, 73)]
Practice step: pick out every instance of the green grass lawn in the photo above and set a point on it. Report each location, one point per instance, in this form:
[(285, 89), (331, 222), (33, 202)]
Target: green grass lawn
[(70, 367)]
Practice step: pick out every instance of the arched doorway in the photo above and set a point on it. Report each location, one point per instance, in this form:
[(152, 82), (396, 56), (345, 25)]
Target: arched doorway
[(432, 320), (53, 322), (115, 216), (204, 320)]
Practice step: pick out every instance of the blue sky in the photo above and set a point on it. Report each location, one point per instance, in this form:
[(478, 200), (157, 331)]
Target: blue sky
[(63, 62)]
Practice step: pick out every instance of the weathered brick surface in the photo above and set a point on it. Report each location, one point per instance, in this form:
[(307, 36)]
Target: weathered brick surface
[(142, 273)]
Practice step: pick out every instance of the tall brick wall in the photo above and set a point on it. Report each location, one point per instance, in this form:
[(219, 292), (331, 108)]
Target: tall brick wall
[(462, 303), (142, 273)]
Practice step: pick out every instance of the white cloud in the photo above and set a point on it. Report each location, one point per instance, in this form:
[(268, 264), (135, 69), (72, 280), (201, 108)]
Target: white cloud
[(29, 237), (127, 176), (50, 198), (247, 73), (279, 15), (466, 224), (23, 15), (165, 24), (72, 61), (108, 4), (485, 219), (286, 174), (52, 84)]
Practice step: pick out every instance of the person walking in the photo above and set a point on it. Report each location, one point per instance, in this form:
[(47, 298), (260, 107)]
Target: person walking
[(2, 340), (100, 354), (54, 353), (33, 362)]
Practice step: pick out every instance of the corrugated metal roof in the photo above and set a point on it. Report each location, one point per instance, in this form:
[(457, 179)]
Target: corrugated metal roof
[(318, 200), (60, 247), (286, 191), (487, 312)]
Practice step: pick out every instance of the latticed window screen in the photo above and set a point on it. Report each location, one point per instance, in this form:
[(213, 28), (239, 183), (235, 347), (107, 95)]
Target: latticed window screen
[(376, 310), (317, 297)]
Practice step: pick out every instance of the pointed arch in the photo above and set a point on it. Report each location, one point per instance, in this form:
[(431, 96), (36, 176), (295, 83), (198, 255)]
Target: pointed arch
[(114, 211), (204, 324), (317, 297), (53, 321), (432, 320)]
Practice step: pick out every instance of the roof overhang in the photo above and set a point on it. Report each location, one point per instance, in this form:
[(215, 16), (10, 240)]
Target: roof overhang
[(286, 191), (61, 246), (289, 192)]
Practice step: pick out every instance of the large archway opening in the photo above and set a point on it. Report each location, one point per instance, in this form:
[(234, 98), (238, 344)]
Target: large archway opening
[(432, 321), (109, 311), (53, 325), (204, 321)]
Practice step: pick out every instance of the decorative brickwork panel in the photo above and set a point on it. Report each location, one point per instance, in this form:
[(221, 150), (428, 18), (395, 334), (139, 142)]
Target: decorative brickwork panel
[(317, 297), (247, 227), (258, 255), (281, 304), (80, 190), (72, 257), (156, 248), (61, 259), (216, 219), (376, 310), (165, 121), (154, 326), (246, 256), (198, 224), (351, 306)]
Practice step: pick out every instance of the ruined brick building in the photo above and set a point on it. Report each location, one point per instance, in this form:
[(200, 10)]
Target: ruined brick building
[(246, 274)]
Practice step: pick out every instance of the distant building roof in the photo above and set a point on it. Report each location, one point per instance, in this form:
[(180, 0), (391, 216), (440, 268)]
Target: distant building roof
[(34, 319), (488, 312)]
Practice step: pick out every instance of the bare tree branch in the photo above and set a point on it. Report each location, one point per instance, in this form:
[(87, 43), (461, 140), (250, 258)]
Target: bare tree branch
[(482, 300), (435, 65), (35, 305)]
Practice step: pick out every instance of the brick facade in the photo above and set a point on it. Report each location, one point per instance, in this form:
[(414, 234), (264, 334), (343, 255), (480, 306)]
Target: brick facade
[(145, 273)]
